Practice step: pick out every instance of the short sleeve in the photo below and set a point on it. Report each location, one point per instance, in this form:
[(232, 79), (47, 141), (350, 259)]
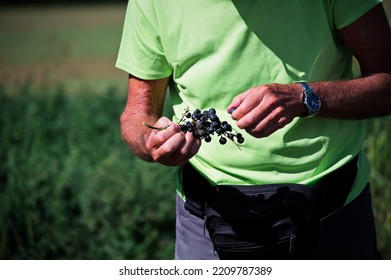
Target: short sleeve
[(347, 11), (141, 53)]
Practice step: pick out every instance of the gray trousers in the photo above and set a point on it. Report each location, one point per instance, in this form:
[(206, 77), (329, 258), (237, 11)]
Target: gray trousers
[(348, 234)]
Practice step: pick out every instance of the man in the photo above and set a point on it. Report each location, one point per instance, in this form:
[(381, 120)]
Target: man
[(283, 69)]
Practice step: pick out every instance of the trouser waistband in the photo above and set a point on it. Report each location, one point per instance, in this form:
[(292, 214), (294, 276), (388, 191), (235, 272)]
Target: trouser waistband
[(330, 193)]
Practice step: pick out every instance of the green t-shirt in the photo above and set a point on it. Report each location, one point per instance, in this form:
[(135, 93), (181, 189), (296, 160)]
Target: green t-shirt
[(216, 49)]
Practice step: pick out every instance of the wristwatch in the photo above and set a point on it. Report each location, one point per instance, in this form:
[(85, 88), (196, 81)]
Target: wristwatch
[(310, 99)]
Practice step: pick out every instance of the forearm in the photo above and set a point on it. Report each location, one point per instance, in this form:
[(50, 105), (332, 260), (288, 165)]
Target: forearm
[(135, 134), (369, 40), (359, 98), (144, 104)]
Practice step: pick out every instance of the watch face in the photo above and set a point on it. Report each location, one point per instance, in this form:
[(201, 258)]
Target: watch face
[(313, 101)]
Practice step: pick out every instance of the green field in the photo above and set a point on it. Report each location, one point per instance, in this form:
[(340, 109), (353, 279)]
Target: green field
[(69, 45), (69, 188)]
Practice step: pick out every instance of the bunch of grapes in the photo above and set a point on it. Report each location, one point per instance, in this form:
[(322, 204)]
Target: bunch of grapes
[(206, 123)]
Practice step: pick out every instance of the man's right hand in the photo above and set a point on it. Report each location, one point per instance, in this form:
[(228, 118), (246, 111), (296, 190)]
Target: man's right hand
[(171, 146)]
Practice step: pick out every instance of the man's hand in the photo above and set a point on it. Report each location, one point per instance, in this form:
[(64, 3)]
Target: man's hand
[(264, 109), (171, 146)]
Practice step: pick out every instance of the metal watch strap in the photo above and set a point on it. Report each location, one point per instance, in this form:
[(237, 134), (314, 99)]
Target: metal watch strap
[(306, 86), (309, 91)]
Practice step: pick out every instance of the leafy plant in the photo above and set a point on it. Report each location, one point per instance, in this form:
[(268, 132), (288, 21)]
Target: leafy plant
[(69, 187)]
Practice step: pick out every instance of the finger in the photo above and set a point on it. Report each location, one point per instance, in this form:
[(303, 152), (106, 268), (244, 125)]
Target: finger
[(184, 150), (188, 149), (162, 122), (159, 137), (195, 147), (257, 107), (168, 147), (190, 146), (254, 117), (254, 97), (269, 125), (236, 102)]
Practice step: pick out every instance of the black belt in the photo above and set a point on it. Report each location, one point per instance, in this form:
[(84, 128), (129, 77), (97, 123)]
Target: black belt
[(330, 193)]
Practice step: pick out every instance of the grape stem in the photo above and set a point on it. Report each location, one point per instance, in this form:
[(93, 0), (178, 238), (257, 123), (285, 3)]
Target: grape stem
[(154, 127), (236, 144)]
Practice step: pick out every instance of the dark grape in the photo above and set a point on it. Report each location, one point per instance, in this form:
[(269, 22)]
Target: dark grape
[(219, 130), (207, 138), (183, 128), (232, 110), (230, 135), (213, 117), (212, 111), (210, 130), (206, 123), (223, 140), (199, 124), (215, 125), (226, 126)]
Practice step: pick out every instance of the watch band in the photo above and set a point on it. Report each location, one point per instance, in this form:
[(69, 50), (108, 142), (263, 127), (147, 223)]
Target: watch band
[(310, 99), (306, 86)]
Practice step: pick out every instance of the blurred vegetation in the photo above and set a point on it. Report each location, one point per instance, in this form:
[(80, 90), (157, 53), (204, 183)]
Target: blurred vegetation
[(378, 149), (69, 188)]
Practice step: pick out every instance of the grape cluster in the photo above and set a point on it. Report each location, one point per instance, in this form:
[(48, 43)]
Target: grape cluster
[(206, 123)]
